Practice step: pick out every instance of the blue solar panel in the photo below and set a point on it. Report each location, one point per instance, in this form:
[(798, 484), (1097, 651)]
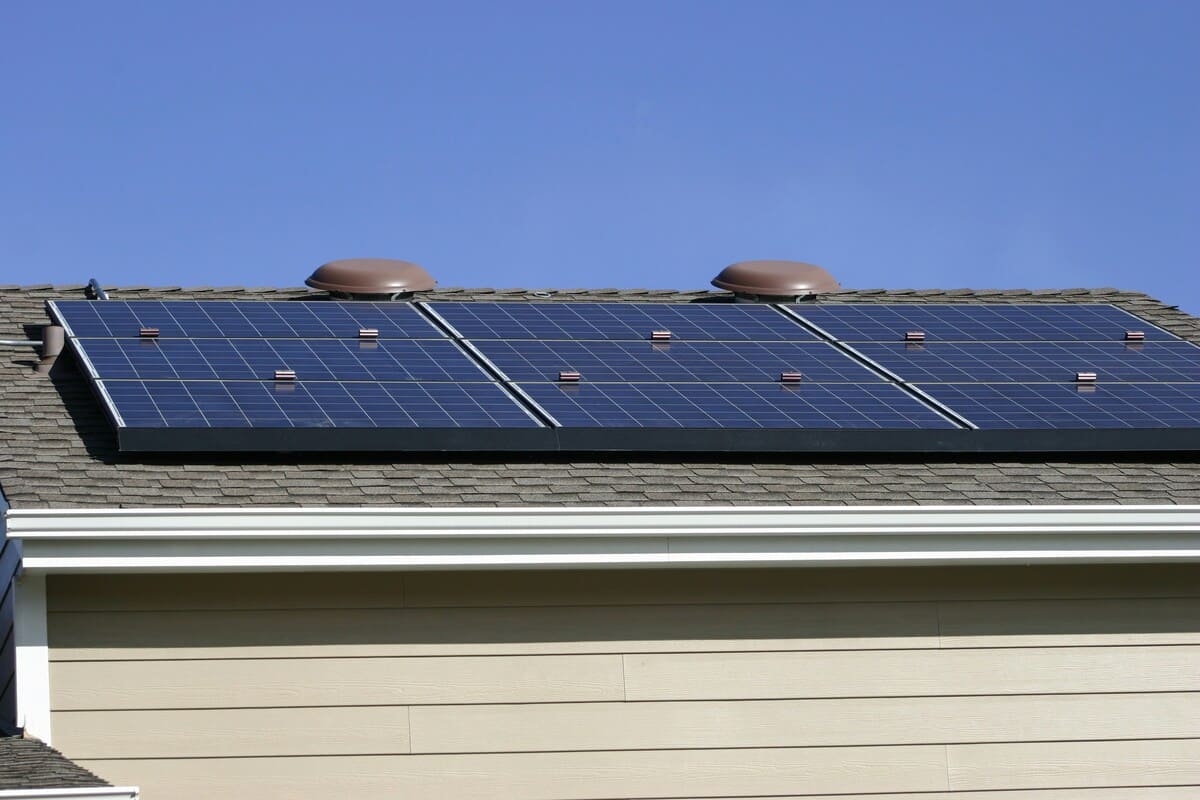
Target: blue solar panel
[(225, 404), (1064, 406), (977, 323), (1029, 362), (733, 405), (227, 319), (739, 362), (632, 321), (257, 359)]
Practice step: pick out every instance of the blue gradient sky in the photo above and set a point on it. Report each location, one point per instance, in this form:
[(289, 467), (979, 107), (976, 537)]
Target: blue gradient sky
[(918, 144)]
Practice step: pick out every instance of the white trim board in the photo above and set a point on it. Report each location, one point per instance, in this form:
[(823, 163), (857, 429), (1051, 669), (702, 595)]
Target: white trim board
[(80, 793), (202, 539)]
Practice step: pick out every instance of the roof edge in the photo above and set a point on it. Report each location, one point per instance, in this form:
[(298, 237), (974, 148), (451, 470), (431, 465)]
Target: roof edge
[(197, 540)]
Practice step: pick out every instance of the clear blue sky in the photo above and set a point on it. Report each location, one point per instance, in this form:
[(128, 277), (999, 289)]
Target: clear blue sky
[(926, 144)]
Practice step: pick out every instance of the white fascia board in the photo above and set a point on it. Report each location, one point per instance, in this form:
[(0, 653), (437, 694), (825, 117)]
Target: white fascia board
[(198, 539), (81, 793)]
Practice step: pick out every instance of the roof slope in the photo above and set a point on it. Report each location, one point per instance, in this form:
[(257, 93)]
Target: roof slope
[(58, 450), (31, 764)]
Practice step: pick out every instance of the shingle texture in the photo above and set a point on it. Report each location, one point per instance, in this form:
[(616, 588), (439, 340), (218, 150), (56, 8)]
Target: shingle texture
[(58, 450), (30, 764)]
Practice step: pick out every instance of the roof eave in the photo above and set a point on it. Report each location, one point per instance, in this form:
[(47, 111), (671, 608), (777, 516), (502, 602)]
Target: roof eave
[(282, 539)]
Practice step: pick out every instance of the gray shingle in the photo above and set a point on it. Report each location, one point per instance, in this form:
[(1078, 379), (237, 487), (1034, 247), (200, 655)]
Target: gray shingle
[(58, 450), (31, 764)]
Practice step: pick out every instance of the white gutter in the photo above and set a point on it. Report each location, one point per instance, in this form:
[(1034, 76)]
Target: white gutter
[(84, 793), (198, 539)]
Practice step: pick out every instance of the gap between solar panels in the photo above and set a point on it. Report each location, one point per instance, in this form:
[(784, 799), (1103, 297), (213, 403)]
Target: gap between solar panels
[(649, 377)]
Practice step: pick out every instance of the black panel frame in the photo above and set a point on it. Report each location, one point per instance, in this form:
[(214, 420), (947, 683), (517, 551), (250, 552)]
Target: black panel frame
[(653, 440)]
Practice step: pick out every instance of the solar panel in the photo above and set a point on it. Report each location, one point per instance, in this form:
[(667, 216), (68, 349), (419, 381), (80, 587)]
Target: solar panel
[(1028, 362), (705, 362), (877, 322), (230, 319), (632, 321), (1067, 406), (257, 359), (235, 404), (733, 405)]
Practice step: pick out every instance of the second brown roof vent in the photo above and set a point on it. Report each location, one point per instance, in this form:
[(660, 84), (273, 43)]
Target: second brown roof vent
[(774, 280), (371, 278)]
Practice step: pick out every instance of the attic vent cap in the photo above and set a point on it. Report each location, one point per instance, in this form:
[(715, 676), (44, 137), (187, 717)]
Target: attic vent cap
[(371, 278), (771, 280)]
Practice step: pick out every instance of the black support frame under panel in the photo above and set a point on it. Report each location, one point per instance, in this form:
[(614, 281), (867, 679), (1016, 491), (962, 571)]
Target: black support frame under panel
[(672, 440)]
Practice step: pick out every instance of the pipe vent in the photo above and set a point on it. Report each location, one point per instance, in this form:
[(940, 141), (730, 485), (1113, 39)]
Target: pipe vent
[(371, 279), (773, 281)]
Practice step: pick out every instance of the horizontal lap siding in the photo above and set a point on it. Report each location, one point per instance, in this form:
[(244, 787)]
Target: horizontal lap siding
[(1040, 683)]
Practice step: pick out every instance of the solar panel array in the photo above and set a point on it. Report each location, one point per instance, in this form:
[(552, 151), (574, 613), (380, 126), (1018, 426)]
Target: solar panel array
[(209, 375)]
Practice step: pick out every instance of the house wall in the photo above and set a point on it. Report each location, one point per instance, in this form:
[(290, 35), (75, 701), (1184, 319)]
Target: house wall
[(1079, 683)]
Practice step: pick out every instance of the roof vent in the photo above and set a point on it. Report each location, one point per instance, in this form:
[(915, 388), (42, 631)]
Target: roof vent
[(371, 279), (770, 281)]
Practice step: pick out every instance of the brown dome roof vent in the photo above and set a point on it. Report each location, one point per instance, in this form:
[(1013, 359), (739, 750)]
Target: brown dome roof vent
[(775, 280), (371, 279)]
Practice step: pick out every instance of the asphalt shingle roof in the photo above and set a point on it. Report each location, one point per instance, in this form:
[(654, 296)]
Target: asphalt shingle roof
[(58, 450), (31, 764)]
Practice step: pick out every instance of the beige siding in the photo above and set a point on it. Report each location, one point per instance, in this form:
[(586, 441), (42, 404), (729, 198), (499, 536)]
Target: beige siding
[(883, 673), (1042, 683)]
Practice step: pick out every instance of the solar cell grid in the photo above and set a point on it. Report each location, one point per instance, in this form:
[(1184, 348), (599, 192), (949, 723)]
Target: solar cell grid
[(527, 360), (1027, 362), (871, 322), (257, 359), (733, 405), (1066, 406), (631, 321), (222, 404), (216, 319)]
